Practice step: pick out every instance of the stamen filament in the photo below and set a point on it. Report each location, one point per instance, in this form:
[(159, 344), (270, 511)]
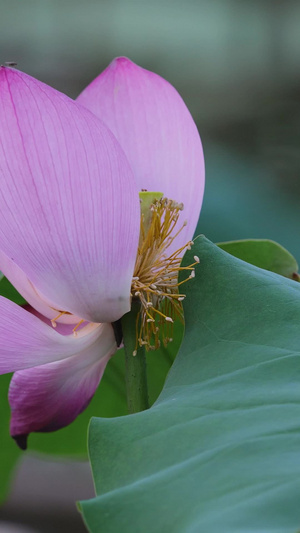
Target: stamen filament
[(155, 281), (77, 326), (53, 320)]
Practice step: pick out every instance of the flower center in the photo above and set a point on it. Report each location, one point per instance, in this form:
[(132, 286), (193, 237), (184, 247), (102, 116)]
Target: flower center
[(155, 283)]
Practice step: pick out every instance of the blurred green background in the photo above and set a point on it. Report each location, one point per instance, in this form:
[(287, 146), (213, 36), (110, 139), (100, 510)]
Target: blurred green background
[(236, 65)]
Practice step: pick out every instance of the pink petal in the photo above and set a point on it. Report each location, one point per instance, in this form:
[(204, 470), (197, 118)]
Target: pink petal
[(62, 328), (156, 131), (26, 341), (49, 397), (20, 281), (69, 208)]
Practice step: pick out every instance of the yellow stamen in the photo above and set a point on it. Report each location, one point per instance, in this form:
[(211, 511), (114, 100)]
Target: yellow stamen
[(77, 326), (53, 320), (155, 281), (62, 313)]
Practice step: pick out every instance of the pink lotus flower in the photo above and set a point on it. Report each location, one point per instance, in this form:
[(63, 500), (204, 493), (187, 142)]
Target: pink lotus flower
[(70, 176)]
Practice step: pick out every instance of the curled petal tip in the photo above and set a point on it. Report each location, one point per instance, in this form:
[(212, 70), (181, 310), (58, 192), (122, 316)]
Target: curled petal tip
[(121, 61), (124, 66), (21, 441)]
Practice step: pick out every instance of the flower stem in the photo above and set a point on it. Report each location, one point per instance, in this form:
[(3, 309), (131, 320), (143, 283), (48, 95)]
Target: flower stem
[(135, 365)]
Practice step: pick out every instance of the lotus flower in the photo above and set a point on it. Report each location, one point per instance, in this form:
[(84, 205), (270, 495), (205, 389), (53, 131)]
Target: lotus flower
[(70, 217)]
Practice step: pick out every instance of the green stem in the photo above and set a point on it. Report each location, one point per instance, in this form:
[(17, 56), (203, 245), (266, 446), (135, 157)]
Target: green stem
[(135, 365)]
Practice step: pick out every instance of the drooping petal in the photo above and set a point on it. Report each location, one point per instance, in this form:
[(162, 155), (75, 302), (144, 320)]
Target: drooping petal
[(156, 131), (69, 208), (26, 341), (49, 397)]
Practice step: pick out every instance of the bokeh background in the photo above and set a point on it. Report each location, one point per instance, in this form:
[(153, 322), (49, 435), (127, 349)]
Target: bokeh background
[(236, 65)]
